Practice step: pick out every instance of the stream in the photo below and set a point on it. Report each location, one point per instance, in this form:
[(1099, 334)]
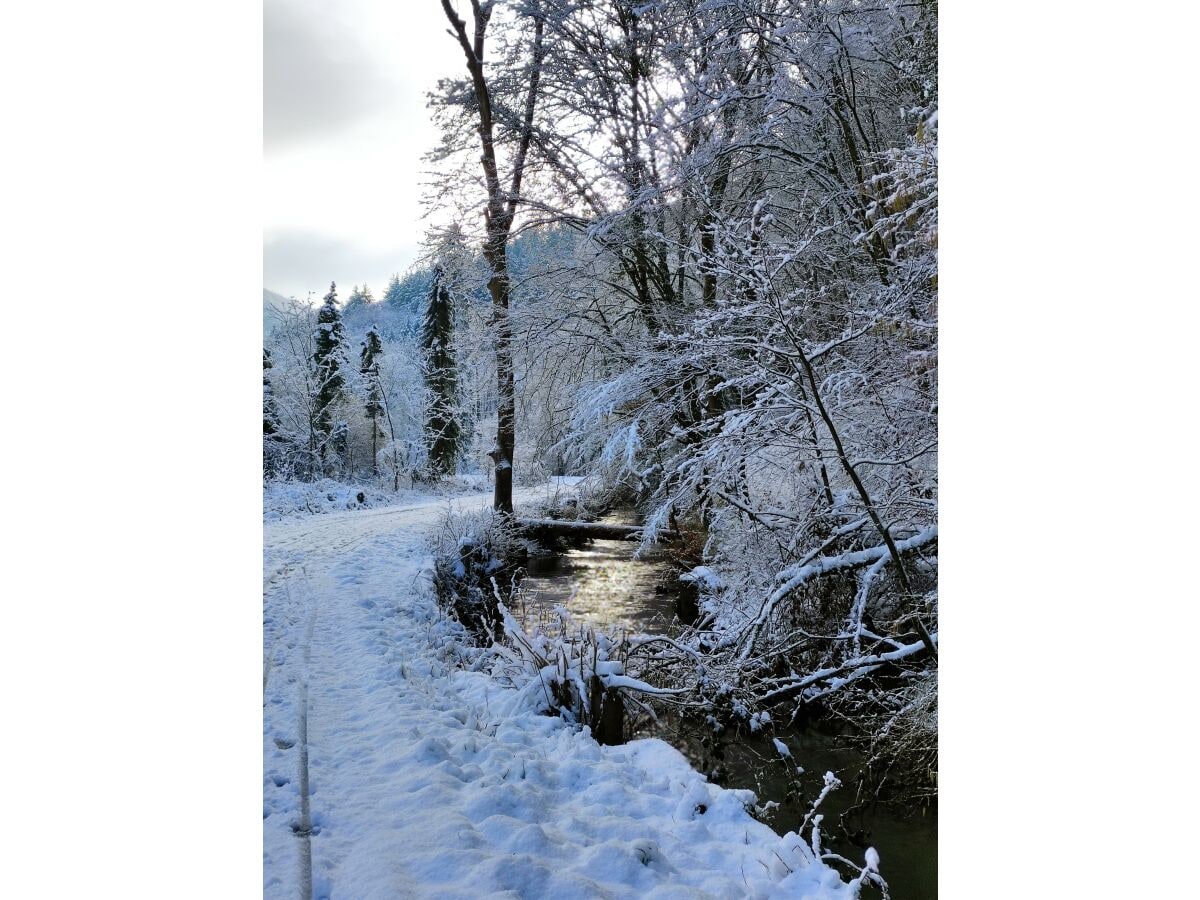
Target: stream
[(602, 584)]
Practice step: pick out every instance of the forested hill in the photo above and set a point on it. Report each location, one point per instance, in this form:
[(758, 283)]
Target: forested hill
[(396, 311), (397, 308), (271, 302)]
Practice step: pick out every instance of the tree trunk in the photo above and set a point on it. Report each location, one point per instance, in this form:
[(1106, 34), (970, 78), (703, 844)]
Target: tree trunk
[(374, 446), (499, 287), (501, 210), (608, 714)]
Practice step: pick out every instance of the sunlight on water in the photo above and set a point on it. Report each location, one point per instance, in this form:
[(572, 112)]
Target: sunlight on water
[(602, 584)]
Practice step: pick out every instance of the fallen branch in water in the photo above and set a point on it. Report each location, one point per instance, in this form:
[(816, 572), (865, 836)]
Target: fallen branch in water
[(851, 670), (795, 578), (603, 531)]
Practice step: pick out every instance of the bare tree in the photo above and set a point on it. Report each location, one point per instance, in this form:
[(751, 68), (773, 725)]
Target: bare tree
[(502, 203), (730, 307)]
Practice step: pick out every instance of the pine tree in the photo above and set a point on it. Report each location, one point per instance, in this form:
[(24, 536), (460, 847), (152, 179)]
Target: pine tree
[(441, 424), (328, 362), (359, 297), (372, 347), (395, 295), (339, 441), (270, 415), (271, 435), (405, 300)]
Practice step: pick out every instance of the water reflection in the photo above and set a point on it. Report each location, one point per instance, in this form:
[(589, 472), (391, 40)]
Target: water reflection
[(603, 584)]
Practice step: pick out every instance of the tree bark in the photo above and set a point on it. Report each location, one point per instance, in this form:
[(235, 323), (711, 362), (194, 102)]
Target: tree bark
[(501, 210)]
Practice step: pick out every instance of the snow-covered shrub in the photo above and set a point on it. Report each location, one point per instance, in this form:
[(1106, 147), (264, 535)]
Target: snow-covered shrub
[(575, 671), (556, 666), (473, 555), (283, 499)]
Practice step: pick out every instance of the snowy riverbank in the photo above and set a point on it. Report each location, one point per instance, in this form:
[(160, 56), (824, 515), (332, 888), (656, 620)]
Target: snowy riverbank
[(391, 772)]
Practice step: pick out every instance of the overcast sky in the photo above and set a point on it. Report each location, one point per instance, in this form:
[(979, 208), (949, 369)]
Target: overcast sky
[(344, 130)]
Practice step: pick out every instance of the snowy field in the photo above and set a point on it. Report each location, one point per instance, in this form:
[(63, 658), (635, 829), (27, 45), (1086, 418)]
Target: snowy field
[(299, 499), (390, 773)]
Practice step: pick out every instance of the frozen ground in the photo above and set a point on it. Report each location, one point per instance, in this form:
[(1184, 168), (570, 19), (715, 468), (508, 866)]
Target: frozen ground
[(291, 499), (389, 774)]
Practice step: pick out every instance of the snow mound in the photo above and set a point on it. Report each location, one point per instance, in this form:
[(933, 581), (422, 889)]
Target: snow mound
[(704, 578)]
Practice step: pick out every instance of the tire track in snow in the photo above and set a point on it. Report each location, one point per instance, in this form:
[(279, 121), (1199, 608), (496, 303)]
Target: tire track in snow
[(279, 632), (304, 833), (299, 584)]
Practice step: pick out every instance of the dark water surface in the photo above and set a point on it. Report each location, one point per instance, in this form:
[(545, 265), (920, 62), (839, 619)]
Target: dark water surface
[(602, 584)]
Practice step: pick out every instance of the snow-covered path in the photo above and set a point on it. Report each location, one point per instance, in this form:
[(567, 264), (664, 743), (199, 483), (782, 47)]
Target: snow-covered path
[(388, 773)]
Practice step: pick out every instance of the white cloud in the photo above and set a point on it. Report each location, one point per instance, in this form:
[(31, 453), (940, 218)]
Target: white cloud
[(298, 262), (345, 127), (317, 77)]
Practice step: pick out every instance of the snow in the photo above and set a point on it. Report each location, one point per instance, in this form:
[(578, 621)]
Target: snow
[(872, 858), (704, 577), (291, 499), (427, 779)]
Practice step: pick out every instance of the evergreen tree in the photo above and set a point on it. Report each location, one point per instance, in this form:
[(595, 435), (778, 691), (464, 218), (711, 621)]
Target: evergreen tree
[(271, 435), (372, 347), (340, 441), (441, 423), (404, 301), (395, 296), (270, 415), (359, 298), (328, 363)]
